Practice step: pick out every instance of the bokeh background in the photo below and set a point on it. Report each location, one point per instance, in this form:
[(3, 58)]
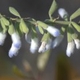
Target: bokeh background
[(37, 9)]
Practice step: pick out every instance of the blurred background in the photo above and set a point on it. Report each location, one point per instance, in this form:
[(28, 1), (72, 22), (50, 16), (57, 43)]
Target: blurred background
[(58, 66)]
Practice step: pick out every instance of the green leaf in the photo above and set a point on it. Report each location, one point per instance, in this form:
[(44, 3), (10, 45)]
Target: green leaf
[(40, 29), (34, 33), (17, 28), (33, 29), (75, 14), (62, 30), (52, 8), (23, 27), (5, 21), (69, 34), (11, 29), (42, 24), (76, 26), (45, 37), (74, 35), (3, 27), (14, 12), (62, 22)]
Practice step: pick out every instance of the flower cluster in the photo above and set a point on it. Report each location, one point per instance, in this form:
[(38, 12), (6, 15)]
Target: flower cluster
[(45, 45), (71, 46), (72, 39)]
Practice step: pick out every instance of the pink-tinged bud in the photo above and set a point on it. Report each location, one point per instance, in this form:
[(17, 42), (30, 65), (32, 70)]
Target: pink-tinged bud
[(70, 48), (53, 31), (57, 41), (2, 38), (77, 43), (34, 45), (62, 12), (13, 50), (42, 48)]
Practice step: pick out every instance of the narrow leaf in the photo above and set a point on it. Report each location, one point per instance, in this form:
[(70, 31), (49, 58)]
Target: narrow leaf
[(14, 12), (23, 27), (69, 34), (11, 29), (74, 36), (52, 8), (3, 27), (75, 14), (45, 37), (5, 21), (62, 30), (42, 24), (34, 33), (62, 22), (76, 26), (40, 29)]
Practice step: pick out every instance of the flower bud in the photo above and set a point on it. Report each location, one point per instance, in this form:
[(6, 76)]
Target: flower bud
[(42, 48), (70, 48), (63, 13), (77, 42), (48, 45), (34, 45), (53, 31), (2, 38), (28, 38), (57, 41)]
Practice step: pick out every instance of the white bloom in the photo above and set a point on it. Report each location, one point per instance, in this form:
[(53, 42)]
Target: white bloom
[(62, 12), (15, 37), (2, 38), (42, 48), (49, 43), (53, 31), (17, 44), (34, 45), (13, 51), (57, 41), (28, 38), (77, 42), (70, 48)]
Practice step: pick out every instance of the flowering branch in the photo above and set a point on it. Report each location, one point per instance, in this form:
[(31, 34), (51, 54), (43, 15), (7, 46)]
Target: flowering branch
[(18, 26)]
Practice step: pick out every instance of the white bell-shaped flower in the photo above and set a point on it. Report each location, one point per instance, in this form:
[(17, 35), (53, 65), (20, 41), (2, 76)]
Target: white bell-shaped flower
[(34, 45), (70, 48), (62, 12), (2, 38), (53, 31), (13, 50), (77, 43), (57, 41), (15, 37)]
